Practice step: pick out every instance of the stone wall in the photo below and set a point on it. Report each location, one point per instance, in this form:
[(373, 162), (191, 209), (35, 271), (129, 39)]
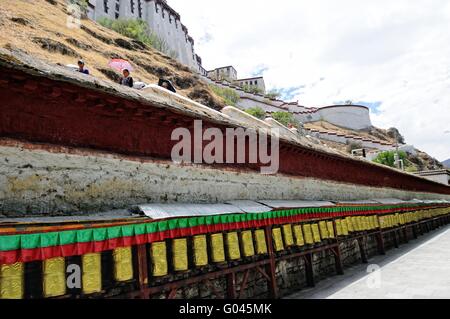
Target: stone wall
[(36, 182)]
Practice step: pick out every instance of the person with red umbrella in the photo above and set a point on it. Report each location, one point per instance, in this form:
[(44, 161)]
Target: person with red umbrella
[(124, 67)]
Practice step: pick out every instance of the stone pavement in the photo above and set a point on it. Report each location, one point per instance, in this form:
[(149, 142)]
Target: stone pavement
[(417, 270)]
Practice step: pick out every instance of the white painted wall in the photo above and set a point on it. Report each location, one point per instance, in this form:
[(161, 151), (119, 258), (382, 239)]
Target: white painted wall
[(353, 117), (440, 177), (348, 140)]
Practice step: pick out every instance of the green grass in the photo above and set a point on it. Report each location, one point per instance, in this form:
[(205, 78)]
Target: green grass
[(257, 112), (229, 95), (138, 30), (286, 118), (388, 158)]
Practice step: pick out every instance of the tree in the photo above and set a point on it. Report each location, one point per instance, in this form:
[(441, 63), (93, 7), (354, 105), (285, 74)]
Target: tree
[(257, 112), (388, 158), (348, 102)]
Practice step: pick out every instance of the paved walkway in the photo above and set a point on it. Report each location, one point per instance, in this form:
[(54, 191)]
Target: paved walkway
[(417, 270)]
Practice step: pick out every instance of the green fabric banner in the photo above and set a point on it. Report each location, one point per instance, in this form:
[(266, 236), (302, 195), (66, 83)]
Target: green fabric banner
[(32, 241)]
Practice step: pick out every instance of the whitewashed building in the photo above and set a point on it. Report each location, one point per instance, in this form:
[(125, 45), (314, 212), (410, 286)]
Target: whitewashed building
[(162, 19), (441, 176)]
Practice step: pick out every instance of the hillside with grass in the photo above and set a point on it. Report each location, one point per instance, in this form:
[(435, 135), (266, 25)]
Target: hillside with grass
[(40, 28)]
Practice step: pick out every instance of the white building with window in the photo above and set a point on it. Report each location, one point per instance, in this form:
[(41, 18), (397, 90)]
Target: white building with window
[(227, 73), (162, 19), (257, 82), (441, 176)]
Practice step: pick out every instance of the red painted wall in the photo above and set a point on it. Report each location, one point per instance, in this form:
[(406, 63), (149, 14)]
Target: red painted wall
[(38, 109)]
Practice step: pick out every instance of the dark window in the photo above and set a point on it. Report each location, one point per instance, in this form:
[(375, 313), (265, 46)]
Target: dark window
[(156, 7), (105, 6), (256, 82), (117, 15), (117, 6), (132, 6), (140, 8), (163, 14)]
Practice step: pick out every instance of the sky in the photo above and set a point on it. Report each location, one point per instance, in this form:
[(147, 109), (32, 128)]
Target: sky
[(393, 56)]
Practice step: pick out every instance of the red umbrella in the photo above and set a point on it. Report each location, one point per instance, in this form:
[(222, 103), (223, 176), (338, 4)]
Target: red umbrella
[(119, 65)]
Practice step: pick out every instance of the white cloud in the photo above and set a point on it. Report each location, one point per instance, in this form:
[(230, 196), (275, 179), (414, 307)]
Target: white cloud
[(394, 52)]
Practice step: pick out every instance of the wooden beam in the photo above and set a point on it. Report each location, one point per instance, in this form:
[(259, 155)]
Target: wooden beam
[(231, 286), (309, 270), (142, 268), (271, 267)]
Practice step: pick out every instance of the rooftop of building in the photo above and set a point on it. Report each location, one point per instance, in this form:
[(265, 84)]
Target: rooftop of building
[(222, 67), (167, 7), (253, 78), (434, 172)]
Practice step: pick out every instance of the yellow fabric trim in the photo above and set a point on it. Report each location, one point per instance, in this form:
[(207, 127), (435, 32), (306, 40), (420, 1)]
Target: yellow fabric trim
[(261, 245), (123, 264), (92, 273), (218, 251), (234, 253), (54, 277), (12, 281), (288, 236), (277, 239), (200, 251), (298, 233), (158, 253), (248, 248)]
